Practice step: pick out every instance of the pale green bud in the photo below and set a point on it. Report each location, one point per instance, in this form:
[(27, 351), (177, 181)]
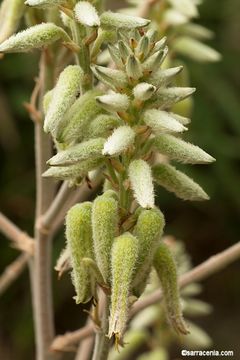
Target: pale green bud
[(145, 318), (164, 77), (114, 102), (79, 240), (182, 119), (198, 338), (157, 354), (64, 95), (174, 17), (115, 55), (143, 91), (160, 44), (166, 97), (133, 68), (197, 31), (119, 141), (143, 46), (154, 61), (162, 121), (186, 7), (148, 230), (34, 37), (177, 182), (44, 3), (115, 79), (86, 150), (79, 116), (180, 150), (73, 171), (66, 20), (194, 307), (105, 229), (119, 21), (142, 183), (153, 35), (124, 50), (11, 12), (103, 125), (123, 262), (86, 14), (47, 100), (195, 50), (166, 269)]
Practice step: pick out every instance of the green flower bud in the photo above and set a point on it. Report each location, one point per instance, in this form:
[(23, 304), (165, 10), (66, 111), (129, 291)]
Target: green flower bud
[(119, 21), (162, 121), (86, 14), (198, 338), (148, 230), (133, 68), (119, 141), (182, 119), (180, 150), (79, 116), (105, 228), (11, 12), (73, 171), (160, 44), (115, 55), (197, 31), (173, 17), (166, 269), (123, 262), (113, 78), (166, 97), (154, 61), (195, 50), (102, 125), (142, 183), (143, 47), (143, 91), (194, 307), (114, 102), (157, 354), (153, 35), (34, 37), (64, 95), (79, 240), (186, 7), (124, 50), (164, 77), (44, 3), (47, 100), (177, 182), (86, 150)]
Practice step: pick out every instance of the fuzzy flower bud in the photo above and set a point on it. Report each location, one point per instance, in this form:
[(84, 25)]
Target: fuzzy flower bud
[(79, 240), (115, 55), (105, 228), (148, 230), (123, 262), (143, 46), (122, 21), (162, 121), (154, 61), (186, 7), (141, 182), (86, 14), (166, 269), (34, 37), (114, 102), (143, 91), (124, 50), (163, 77), (11, 12), (43, 3), (113, 78), (103, 125), (119, 141), (174, 17), (133, 68), (64, 95), (177, 182), (181, 151), (47, 100), (166, 97)]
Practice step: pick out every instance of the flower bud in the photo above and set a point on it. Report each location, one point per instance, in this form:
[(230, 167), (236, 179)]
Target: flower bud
[(79, 240), (154, 61), (197, 31), (79, 116), (114, 102), (43, 3), (166, 97), (148, 230), (166, 269), (124, 50), (86, 150), (162, 121), (122, 21), (153, 35), (86, 14), (103, 125), (115, 55), (123, 262), (34, 37), (195, 50), (164, 77), (173, 17), (160, 44), (105, 229), (143, 91), (143, 46), (133, 68), (113, 78), (47, 100), (177, 149), (198, 338), (182, 119), (177, 182), (11, 12), (141, 182), (64, 95), (119, 141), (186, 7)]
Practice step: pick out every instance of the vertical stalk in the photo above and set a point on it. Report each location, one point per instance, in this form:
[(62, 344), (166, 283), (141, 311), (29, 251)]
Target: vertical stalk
[(102, 342)]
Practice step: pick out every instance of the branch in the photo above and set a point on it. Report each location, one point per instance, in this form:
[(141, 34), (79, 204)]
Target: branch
[(200, 272)]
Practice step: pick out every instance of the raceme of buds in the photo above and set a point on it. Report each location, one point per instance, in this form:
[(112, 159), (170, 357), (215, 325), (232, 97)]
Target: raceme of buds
[(63, 97), (43, 3), (10, 16), (177, 182), (119, 141), (34, 37), (86, 14), (148, 231), (180, 150), (79, 241), (102, 125), (162, 121), (166, 269), (114, 102), (122, 21), (105, 229), (123, 262), (142, 183)]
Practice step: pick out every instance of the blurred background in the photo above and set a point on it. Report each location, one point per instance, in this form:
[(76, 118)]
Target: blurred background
[(205, 228)]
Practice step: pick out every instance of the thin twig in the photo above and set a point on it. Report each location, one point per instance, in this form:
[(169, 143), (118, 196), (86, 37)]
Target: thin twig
[(200, 272)]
